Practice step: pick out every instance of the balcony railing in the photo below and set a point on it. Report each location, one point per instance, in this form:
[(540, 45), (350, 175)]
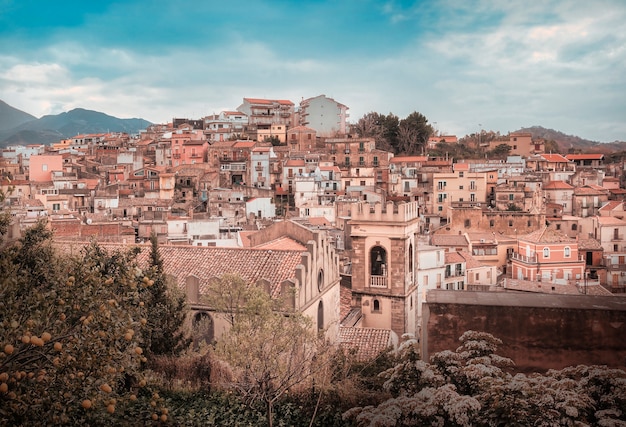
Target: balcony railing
[(455, 274), (524, 258), (617, 237), (378, 281)]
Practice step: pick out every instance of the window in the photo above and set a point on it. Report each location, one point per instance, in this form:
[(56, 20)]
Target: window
[(320, 280), (376, 305), (558, 226), (460, 174), (460, 187), (441, 185), (468, 223), (510, 223), (511, 196), (56, 206), (472, 185), (361, 161), (567, 252), (472, 197), (492, 223), (362, 183), (574, 227), (308, 136), (477, 277), (410, 258), (44, 167), (375, 161), (546, 252)]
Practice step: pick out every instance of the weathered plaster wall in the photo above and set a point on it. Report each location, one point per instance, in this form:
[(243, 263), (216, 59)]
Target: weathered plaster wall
[(539, 332)]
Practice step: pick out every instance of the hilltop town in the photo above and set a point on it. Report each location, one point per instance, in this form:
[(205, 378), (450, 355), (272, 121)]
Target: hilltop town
[(290, 196)]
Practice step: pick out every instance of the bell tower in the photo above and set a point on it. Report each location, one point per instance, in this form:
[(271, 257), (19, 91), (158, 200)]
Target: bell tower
[(384, 278)]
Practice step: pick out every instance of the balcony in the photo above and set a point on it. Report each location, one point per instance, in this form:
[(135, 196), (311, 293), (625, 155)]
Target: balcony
[(524, 258), (613, 267), (458, 273), (258, 168), (176, 156), (378, 281), (617, 237)]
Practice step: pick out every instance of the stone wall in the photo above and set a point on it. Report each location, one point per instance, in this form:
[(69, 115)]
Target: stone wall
[(539, 331)]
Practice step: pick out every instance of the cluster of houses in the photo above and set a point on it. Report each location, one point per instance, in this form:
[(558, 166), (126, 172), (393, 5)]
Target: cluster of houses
[(288, 198)]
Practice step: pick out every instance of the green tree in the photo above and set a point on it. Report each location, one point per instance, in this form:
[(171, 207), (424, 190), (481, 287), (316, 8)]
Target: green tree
[(70, 331), (413, 133), (501, 151), (166, 310), (271, 352)]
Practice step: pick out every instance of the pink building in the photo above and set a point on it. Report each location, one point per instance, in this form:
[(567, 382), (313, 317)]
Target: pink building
[(42, 166), (547, 255), (188, 147)]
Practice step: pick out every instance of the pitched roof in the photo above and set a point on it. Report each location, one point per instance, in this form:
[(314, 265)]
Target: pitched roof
[(555, 158), (408, 159), (206, 263), (612, 204), (453, 257), (610, 220), (368, 343), (282, 243), (470, 261), (590, 156), (557, 185), (448, 240), (268, 101), (547, 235)]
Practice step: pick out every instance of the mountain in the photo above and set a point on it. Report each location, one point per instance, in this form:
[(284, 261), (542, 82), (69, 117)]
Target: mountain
[(570, 143), (11, 117), (53, 128)]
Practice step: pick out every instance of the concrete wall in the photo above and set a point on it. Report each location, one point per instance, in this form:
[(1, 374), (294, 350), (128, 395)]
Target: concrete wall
[(539, 331)]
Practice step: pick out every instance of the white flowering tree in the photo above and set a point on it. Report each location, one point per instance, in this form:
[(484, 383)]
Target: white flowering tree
[(472, 386)]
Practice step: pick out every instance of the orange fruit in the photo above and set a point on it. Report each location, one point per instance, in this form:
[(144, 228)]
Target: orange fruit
[(86, 404), (8, 349), (46, 336), (106, 388), (110, 409), (58, 346)]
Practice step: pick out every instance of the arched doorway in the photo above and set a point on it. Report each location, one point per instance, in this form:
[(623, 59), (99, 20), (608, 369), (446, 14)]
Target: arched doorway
[(203, 328)]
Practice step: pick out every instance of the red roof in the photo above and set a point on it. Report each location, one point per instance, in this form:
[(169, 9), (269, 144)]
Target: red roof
[(590, 156), (557, 185), (268, 101), (555, 158)]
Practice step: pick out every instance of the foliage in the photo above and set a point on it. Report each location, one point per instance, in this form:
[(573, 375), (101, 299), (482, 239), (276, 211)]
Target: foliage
[(512, 207), (270, 352), (471, 386), (5, 215), (166, 310), (70, 329), (406, 137), (273, 139), (500, 151)]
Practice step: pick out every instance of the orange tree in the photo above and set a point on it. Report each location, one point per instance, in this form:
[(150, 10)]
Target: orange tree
[(70, 328)]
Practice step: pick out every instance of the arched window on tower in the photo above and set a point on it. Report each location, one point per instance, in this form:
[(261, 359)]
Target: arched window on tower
[(410, 257), (378, 261)]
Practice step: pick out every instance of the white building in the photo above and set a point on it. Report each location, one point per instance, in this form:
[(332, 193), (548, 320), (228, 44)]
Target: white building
[(325, 115)]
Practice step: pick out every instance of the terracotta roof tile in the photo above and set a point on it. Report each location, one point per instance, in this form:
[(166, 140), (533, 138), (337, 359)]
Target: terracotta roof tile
[(547, 235), (275, 266), (453, 257), (557, 185), (368, 343), (589, 156), (448, 240)]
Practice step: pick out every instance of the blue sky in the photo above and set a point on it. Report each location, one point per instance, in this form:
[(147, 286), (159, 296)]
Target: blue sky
[(466, 65)]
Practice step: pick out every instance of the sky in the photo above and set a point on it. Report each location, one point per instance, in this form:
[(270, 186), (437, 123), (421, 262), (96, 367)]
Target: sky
[(467, 65)]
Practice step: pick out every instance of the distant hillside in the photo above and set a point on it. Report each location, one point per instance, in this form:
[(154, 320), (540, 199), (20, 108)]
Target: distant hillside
[(52, 128), (569, 143), (11, 117)]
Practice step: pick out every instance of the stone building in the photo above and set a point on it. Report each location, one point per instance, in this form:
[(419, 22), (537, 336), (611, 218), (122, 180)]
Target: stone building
[(384, 278)]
